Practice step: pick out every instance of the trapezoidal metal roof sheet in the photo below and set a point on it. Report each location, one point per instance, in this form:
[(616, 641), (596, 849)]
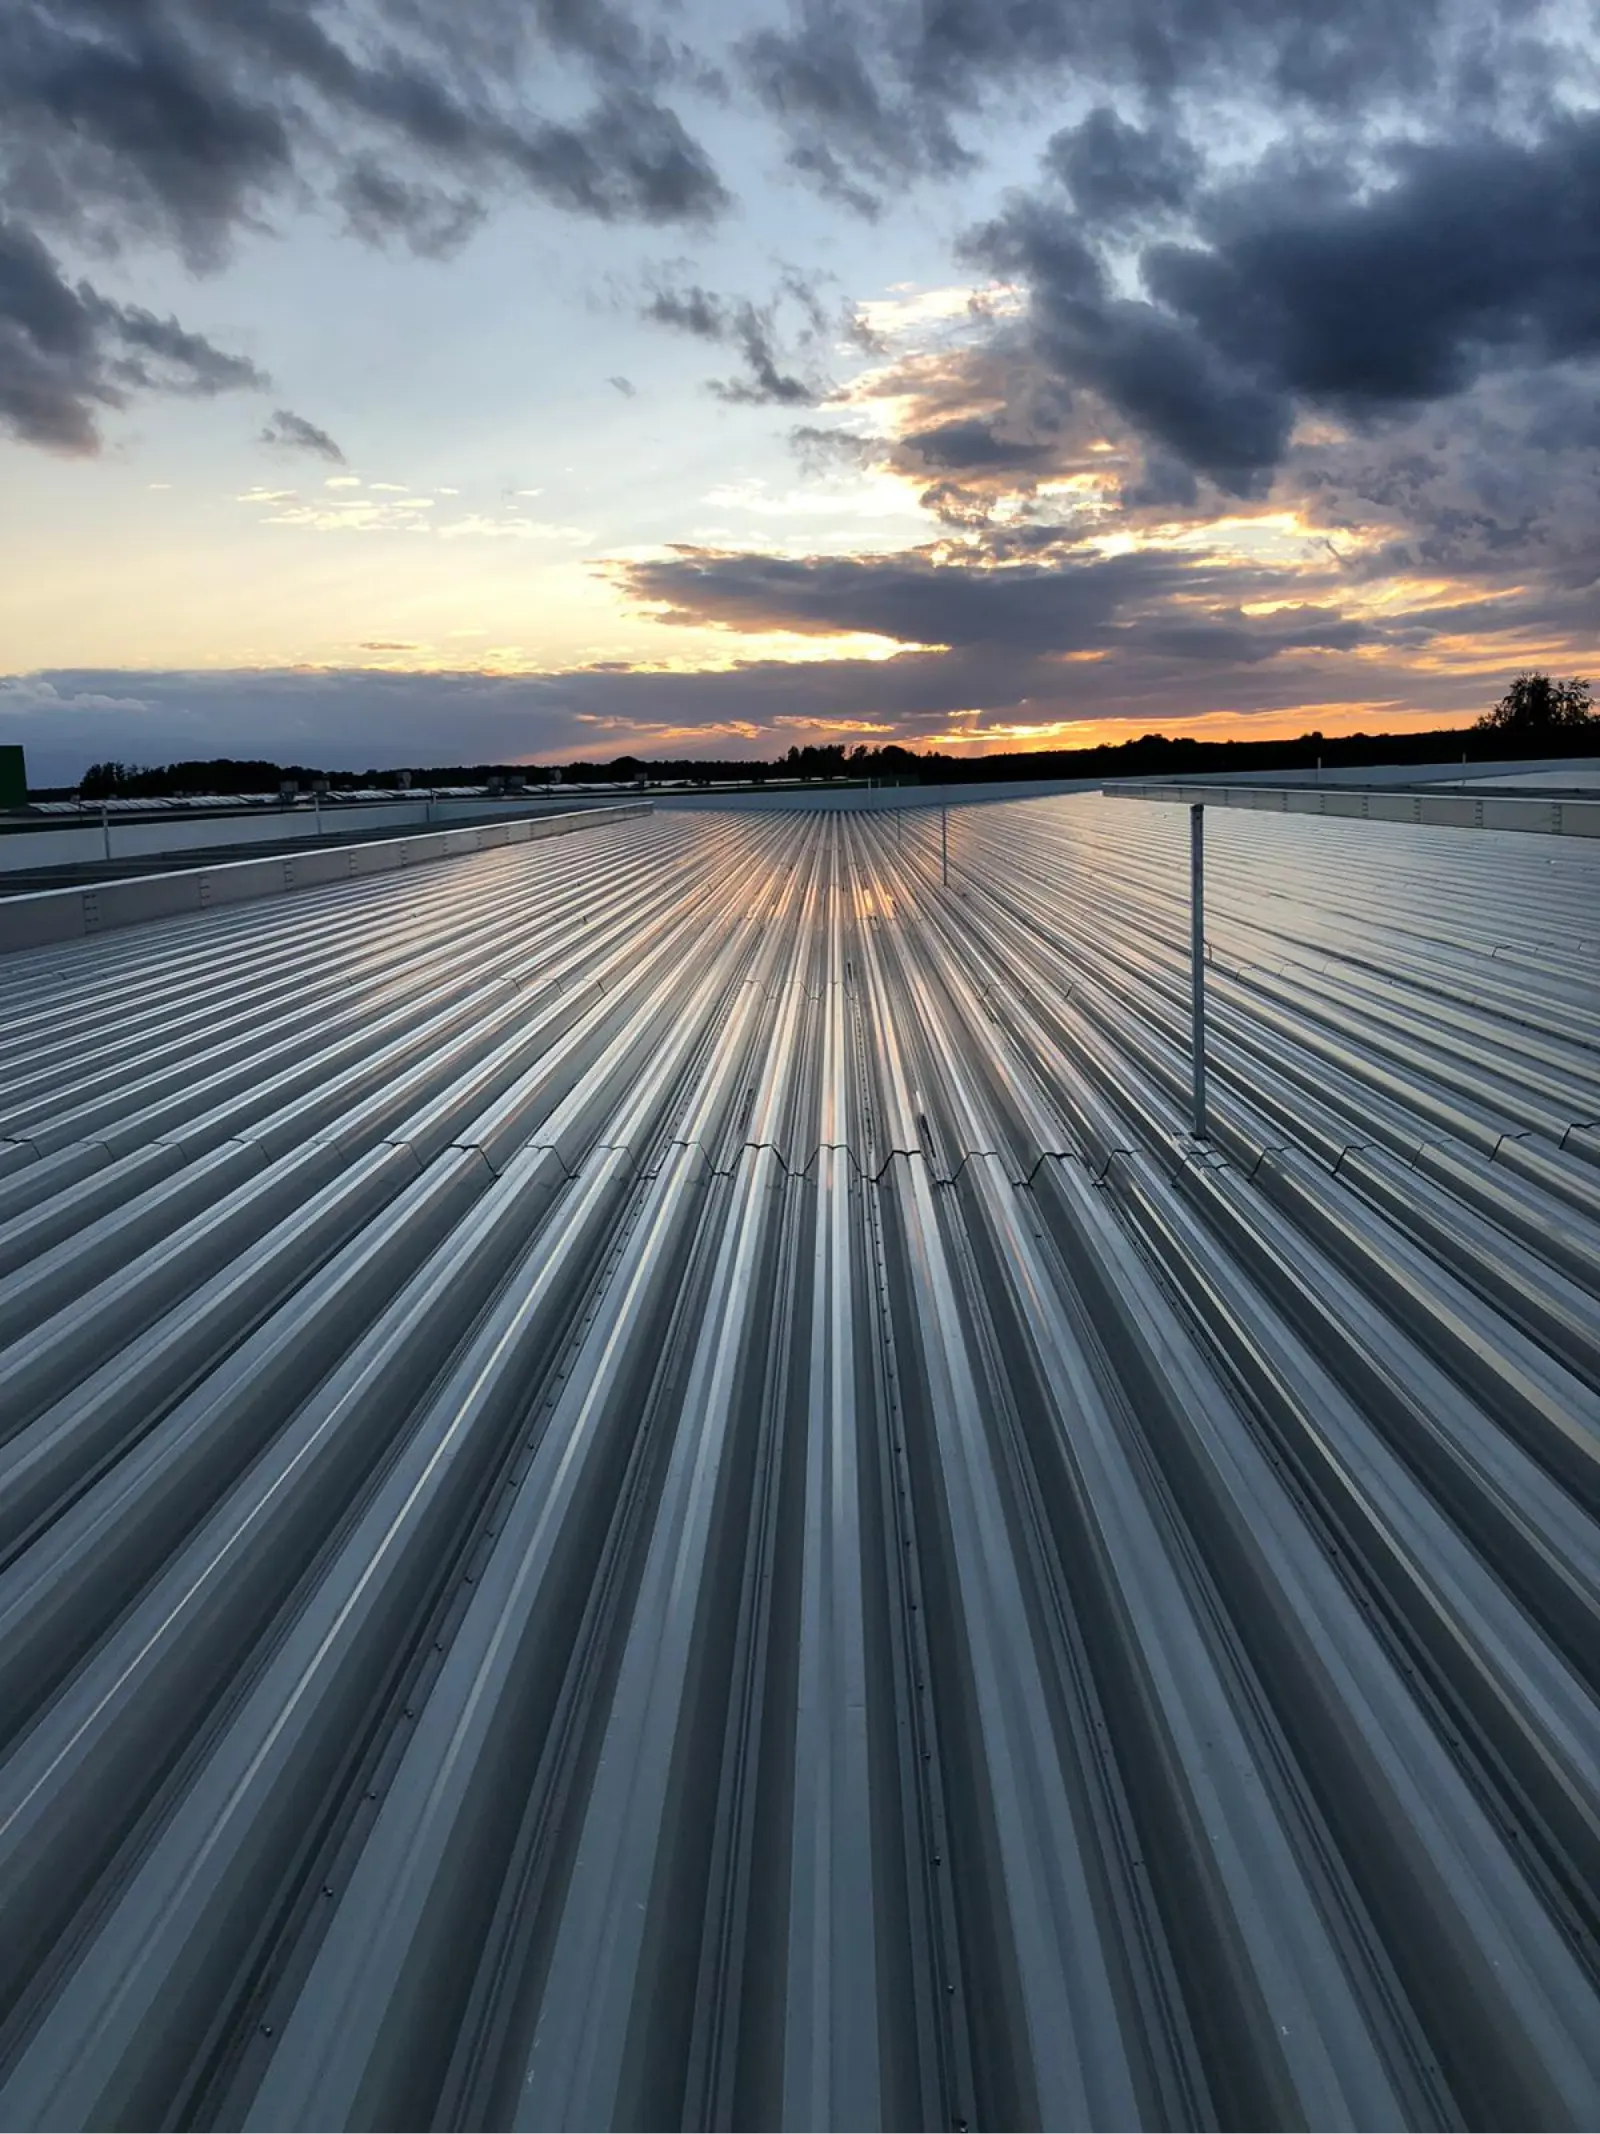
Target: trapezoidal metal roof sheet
[(646, 1482)]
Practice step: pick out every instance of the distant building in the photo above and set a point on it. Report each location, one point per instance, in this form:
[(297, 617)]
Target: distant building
[(13, 778)]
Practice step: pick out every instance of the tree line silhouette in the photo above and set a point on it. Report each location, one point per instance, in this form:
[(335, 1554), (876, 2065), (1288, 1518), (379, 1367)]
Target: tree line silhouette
[(1535, 710)]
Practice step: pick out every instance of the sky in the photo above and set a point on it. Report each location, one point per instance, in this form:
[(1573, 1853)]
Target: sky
[(429, 381)]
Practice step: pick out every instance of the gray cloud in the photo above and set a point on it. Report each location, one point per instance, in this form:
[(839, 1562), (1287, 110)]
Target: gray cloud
[(1474, 256), (751, 330), (181, 121), (1152, 367), (693, 310), (822, 451), (835, 85), (1121, 174), (429, 220), (67, 353), (288, 432), (1510, 482), (183, 118), (68, 719), (952, 596), (875, 92), (1480, 251), (972, 444), (132, 122)]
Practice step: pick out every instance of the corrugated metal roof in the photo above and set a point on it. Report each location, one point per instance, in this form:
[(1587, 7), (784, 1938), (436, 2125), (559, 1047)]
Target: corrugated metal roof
[(646, 1483)]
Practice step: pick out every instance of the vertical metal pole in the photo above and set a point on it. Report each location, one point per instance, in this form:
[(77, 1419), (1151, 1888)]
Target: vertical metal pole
[(1197, 959), (105, 827), (317, 797), (944, 846)]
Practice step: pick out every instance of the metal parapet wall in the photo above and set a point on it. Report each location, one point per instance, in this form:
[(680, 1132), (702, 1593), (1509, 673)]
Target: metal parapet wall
[(648, 1484), (49, 915), (1551, 814)]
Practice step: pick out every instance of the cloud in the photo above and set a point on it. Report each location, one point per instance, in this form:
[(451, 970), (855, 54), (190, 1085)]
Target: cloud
[(382, 207), (133, 121), (872, 94), (748, 328), (1120, 174), (1467, 257), (181, 122), (822, 451), (972, 444), (1479, 252), (629, 160), (67, 352), (692, 310), (287, 432), (838, 85), (989, 696), (1509, 483), (184, 120), (1150, 367), (952, 595), (477, 526)]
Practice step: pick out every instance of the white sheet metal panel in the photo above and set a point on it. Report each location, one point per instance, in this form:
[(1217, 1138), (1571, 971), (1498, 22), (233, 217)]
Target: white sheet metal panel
[(1471, 807), (37, 918), (645, 1481)]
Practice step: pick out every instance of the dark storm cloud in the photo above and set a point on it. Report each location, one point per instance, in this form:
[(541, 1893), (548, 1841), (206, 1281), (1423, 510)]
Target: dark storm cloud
[(1474, 255), (182, 121), (878, 91), (1233, 638), (971, 444), (131, 121), (288, 432), (831, 82), (185, 117), (630, 160), (616, 46), (1118, 173), (66, 352), (1479, 252), (921, 597), (1152, 367)]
